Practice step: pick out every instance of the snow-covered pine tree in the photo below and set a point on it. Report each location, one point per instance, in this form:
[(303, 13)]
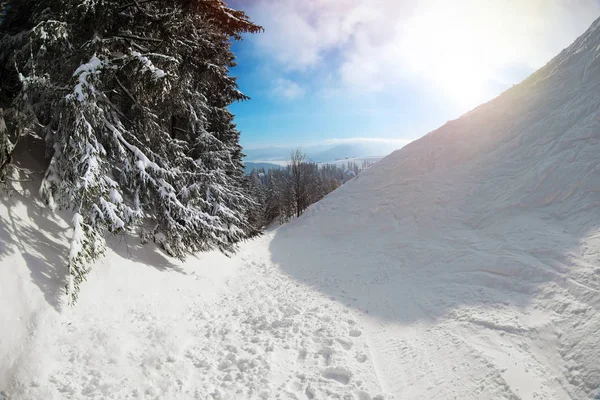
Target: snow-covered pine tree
[(131, 97), (256, 213), (273, 197)]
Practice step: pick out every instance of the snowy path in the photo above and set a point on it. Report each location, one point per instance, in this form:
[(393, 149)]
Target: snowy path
[(321, 337), (241, 328), (492, 320), (300, 314), (212, 328)]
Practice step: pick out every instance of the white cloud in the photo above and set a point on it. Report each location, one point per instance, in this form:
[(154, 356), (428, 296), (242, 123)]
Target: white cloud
[(287, 89), (298, 34), (457, 48)]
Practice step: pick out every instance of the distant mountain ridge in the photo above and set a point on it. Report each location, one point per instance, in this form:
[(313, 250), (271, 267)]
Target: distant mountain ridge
[(259, 165), (326, 152)]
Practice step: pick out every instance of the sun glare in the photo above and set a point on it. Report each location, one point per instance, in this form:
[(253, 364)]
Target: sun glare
[(462, 48)]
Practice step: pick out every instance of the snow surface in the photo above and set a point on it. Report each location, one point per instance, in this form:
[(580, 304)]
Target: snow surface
[(150, 328), (464, 266), (83, 72), (474, 252)]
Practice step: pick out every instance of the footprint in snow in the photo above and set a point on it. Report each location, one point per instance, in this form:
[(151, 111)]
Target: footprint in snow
[(338, 374), (345, 343), (327, 353), (355, 333), (310, 392), (302, 355), (363, 396), (361, 357)]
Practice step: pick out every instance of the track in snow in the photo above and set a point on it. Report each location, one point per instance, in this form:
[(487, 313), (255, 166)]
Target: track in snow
[(215, 328)]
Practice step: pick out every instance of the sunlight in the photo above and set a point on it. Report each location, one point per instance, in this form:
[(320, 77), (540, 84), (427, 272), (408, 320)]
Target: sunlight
[(461, 48)]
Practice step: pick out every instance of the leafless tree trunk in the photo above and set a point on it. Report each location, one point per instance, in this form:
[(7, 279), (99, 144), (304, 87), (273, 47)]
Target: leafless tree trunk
[(297, 161)]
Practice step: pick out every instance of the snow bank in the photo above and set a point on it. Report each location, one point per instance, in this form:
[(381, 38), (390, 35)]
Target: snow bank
[(474, 252)]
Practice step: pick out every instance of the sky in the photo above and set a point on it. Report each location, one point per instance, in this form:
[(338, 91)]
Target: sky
[(388, 71)]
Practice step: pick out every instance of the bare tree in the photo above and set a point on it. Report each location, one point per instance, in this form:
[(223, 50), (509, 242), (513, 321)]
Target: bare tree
[(283, 193), (297, 161)]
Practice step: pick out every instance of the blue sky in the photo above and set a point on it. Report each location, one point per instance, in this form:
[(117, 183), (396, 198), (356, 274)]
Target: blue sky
[(327, 71)]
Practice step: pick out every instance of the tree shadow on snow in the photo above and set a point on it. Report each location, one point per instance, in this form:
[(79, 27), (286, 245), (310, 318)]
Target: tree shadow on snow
[(129, 247), (406, 243), (35, 232), (405, 279), (41, 235)]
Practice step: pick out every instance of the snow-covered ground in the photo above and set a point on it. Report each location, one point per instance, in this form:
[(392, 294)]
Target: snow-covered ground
[(474, 252), (464, 266), (150, 328)]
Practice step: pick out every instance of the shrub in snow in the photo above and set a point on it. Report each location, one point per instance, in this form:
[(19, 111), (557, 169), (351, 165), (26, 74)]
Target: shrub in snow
[(131, 99)]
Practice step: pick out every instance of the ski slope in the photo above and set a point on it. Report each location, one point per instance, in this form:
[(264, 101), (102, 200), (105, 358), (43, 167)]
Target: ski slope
[(464, 266)]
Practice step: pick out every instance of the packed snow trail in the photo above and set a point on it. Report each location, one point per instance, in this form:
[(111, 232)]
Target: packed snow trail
[(150, 328)]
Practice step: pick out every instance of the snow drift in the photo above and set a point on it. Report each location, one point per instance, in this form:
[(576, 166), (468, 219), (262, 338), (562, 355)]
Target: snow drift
[(475, 250)]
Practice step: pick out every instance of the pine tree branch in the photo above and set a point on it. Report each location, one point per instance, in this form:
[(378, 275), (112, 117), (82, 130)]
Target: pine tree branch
[(5, 180), (126, 90), (29, 171), (141, 38), (5, 163), (180, 130), (140, 48), (136, 3)]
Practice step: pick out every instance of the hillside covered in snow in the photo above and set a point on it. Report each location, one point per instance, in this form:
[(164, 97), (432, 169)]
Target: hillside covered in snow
[(464, 266), (474, 252)]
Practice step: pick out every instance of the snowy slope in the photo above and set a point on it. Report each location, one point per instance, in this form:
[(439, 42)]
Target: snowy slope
[(464, 266), (474, 252)]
